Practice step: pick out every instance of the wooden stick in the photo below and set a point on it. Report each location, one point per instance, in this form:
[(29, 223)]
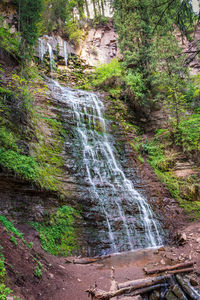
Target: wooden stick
[(168, 268), (114, 285), (181, 271), (146, 290)]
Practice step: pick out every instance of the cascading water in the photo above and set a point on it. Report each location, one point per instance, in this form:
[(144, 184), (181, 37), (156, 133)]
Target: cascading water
[(41, 49), (121, 217), (65, 53), (50, 56)]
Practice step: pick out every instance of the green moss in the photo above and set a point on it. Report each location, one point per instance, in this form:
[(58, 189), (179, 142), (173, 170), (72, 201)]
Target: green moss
[(57, 235)]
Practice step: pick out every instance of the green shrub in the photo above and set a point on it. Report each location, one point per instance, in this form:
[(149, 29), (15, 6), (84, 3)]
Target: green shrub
[(23, 165), (30, 245), (4, 291), (8, 41), (58, 235), (38, 272), (10, 227), (190, 132), (107, 75), (13, 240)]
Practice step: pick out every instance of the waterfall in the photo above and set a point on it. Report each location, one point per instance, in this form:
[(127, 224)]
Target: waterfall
[(65, 53), (127, 219), (50, 57), (41, 49)]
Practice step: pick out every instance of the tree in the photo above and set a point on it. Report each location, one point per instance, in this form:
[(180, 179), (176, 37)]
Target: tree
[(29, 17), (170, 76), (139, 23)]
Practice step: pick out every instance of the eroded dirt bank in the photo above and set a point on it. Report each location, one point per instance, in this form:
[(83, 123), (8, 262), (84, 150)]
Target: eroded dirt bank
[(62, 280)]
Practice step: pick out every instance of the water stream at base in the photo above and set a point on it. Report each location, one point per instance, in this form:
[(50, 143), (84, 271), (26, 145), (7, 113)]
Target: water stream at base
[(125, 220)]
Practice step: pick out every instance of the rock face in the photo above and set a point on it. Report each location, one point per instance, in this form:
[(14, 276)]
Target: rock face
[(59, 46), (9, 13), (22, 200), (100, 46)]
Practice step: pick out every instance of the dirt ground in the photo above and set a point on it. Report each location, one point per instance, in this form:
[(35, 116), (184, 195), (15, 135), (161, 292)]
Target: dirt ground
[(68, 281)]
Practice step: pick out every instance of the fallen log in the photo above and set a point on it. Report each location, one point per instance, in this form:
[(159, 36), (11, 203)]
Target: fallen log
[(168, 268), (138, 283), (85, 261), (187, 288), (128, 287), (187, 270), (146, 289)]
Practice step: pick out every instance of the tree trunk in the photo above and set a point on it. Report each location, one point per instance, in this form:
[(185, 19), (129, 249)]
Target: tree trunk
[(128, 287), (168, 268)]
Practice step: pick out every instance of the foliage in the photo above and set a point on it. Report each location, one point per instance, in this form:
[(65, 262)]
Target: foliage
[(8, 41), (190, 133), (74, 32), (19, 124), (30, 245), (29, 17), (38, 272), (140, 26), (4, 291), (20, 164), (162, 157), (54, 15), (13, 240), (57, 235), (100, 20), (171, 76), (58, 15), (106, 71), (10, 227), (109, 77)]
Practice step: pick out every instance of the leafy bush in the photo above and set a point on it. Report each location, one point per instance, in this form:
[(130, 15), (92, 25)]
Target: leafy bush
[(8, 41), (23, 165), (29, 17), (16, 109), (10, 227), (38, 272), (58, 235), (4, 291), (135, 83), (13, 240), (106, 75), (190, 132)]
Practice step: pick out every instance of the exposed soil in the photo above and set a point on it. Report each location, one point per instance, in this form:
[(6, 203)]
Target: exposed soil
[(68, 281)]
